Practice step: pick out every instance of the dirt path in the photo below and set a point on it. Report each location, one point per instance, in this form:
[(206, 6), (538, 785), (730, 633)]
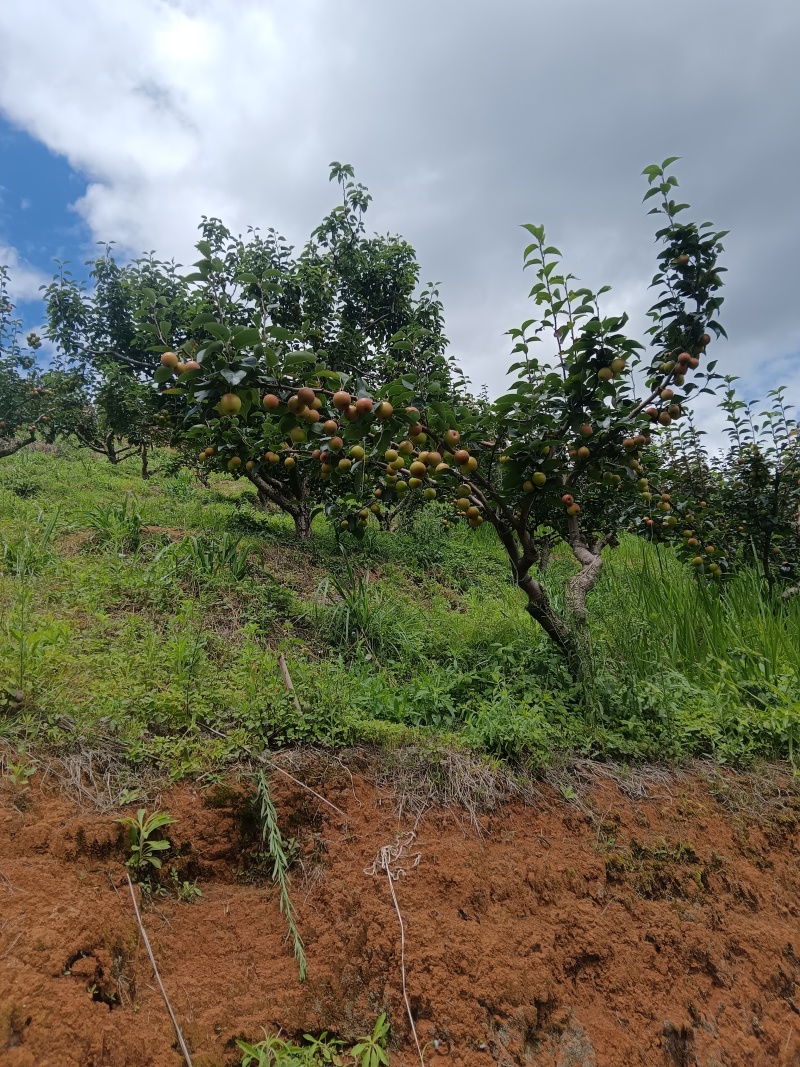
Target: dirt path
[(612, 932)]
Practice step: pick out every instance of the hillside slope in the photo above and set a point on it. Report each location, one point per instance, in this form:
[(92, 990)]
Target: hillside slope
[(651, 919)]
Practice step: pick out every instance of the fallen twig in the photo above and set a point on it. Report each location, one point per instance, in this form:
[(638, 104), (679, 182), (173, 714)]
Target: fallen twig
[(388, 855), (146, 940), (288, 680)]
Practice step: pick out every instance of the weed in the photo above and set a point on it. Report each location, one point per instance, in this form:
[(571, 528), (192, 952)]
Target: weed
[(144, 847), (21, 480), (361, 615), (180, 485), (274, 1051), (28, 555), (115, 526), (209, 557), (185, 890), (418, 629), (26, 646), (370, 1051), (281, 854), (19, 773), (11, 698)]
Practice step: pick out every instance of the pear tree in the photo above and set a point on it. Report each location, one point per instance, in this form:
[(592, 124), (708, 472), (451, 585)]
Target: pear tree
[(24, 401), (559, 458)]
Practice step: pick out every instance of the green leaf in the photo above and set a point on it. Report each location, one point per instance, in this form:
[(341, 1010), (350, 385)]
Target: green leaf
[(233, 377), (216, 329), (536, 231), (280, 333), (297, 359), (446, 414), (245, 336)]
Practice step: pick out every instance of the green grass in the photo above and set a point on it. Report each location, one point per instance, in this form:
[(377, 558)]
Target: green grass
[(136, 613)]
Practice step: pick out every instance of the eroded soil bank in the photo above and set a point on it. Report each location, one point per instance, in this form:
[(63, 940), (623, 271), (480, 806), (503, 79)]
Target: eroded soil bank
[(648, 921)]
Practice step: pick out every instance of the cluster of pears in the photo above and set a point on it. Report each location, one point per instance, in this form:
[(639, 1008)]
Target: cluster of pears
[(706, 560), (664, 507), (674, 372), (309, 408), (361, 517), (409, 466), (465, 504), (173, 362)]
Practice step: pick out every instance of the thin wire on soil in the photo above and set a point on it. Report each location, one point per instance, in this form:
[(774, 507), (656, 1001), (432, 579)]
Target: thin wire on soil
[(146, 940), (389, 855)]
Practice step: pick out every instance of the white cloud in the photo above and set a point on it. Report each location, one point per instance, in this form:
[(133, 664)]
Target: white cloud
[(23, 279), (464, 118)]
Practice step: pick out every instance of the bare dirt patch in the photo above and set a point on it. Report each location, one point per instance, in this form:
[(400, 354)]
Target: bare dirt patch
[(610, 931), (291, 567)]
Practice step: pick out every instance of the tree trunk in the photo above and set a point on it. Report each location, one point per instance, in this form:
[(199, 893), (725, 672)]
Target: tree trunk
[(110, 451), (579, 586), (145, 468), (10, 445), (302, 521), (544, 555), (566, 639), (270, 490), (522, 555)]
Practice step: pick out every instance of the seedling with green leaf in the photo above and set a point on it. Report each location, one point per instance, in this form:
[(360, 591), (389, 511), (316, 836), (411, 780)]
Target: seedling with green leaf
[(371, 1051), (144, 847), (185, 890), (274, 1051), (20, 772)]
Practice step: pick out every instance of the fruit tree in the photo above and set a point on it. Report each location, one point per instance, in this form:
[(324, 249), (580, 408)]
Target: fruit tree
[(740, 506), (103, 366), (24, 404), (289, 357), (558, 456)]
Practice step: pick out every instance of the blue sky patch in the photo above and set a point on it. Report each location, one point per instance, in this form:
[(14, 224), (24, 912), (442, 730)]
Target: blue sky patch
[(37, 188)]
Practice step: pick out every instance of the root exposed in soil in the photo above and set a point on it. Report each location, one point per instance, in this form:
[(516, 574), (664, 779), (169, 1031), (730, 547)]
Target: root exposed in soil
[(648, 921)]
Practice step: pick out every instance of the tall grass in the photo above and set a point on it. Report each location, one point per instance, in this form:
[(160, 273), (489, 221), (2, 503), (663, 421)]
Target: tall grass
[(655, 614), (355, 613), (698, 646)]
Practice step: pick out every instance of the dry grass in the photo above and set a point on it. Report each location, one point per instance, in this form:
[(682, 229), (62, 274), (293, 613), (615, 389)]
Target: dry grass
[(421, 778), (416, 778)]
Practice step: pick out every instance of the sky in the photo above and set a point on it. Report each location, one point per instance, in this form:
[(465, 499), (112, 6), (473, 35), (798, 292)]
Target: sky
[(465, 119)]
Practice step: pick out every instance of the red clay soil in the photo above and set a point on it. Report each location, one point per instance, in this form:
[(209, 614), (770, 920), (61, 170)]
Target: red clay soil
[(610, 931)]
